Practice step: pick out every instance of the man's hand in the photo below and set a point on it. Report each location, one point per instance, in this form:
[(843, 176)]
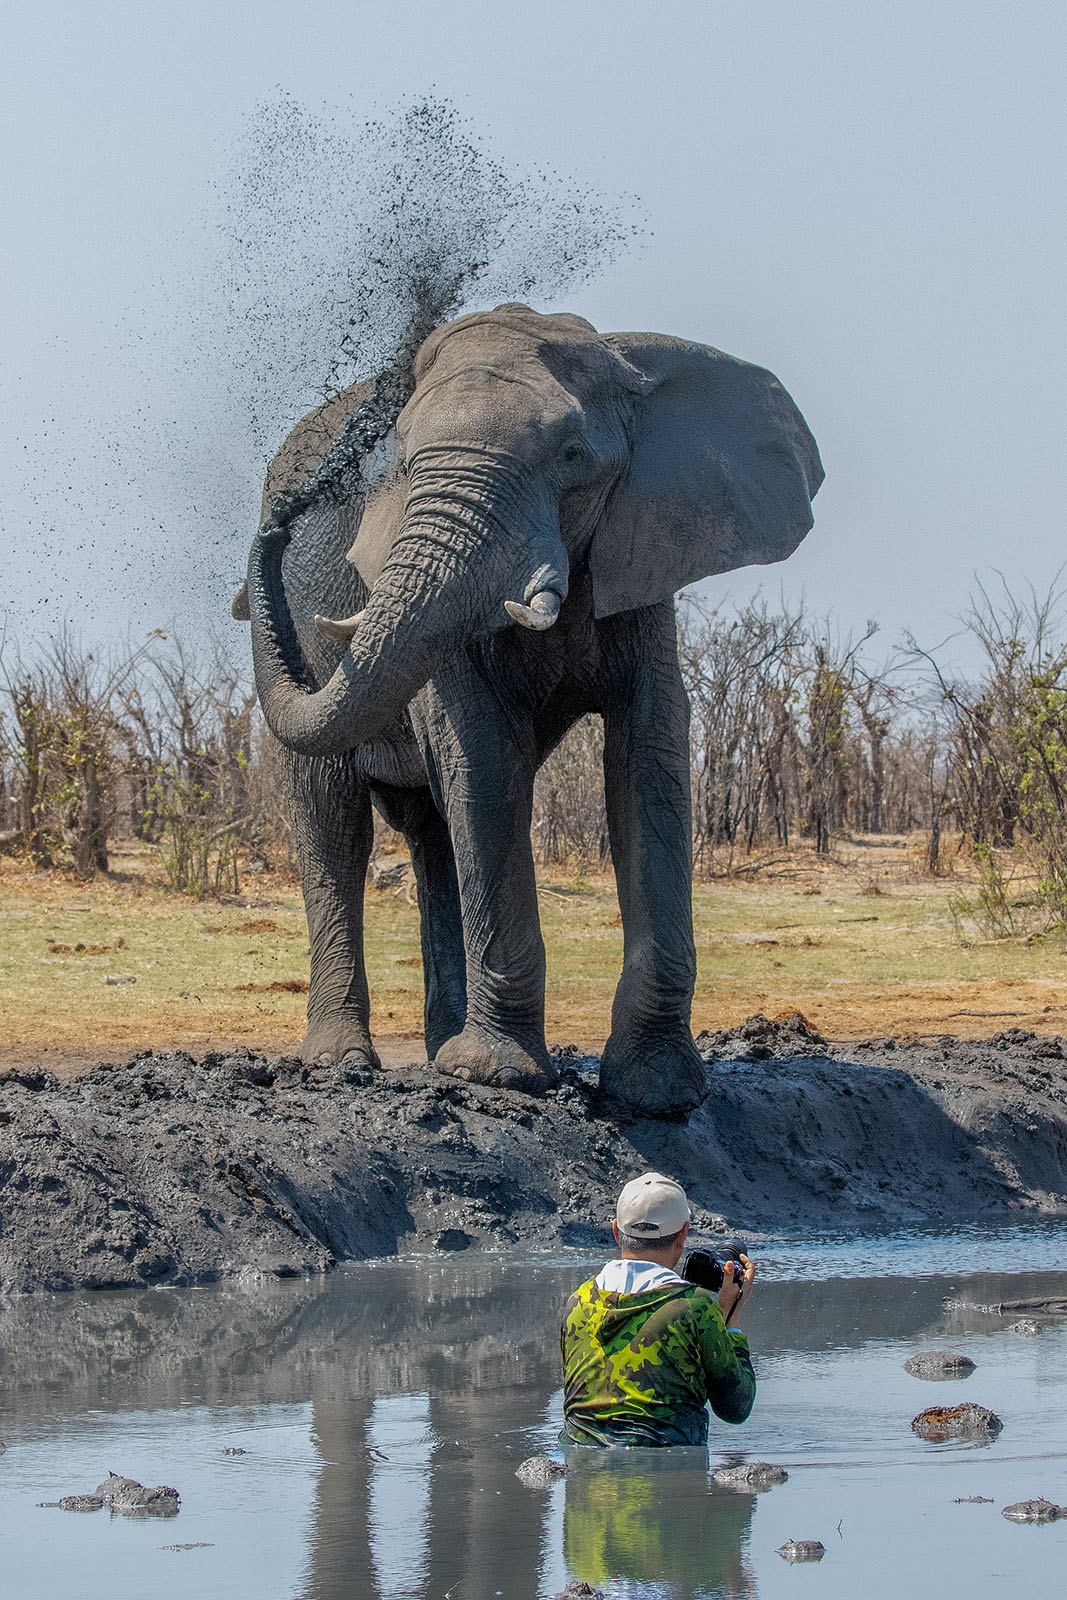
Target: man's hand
[(732, 1295)]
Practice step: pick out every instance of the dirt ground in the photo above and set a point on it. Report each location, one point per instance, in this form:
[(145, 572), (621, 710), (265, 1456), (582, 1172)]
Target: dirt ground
[(863, 944)]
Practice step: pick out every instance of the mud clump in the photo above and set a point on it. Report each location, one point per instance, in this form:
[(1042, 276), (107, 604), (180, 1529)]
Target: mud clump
[(1051, 1306), (802, 1550), (752, 1475), (968, 1421), (759, 1038), (1034, 1511), (540, 1472), (938, 1364), (125, 1496), (133, 1499)]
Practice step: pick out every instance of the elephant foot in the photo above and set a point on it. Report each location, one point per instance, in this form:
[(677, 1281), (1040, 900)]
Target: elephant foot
[(339, 1041), (484, 1057), (661, 1077)]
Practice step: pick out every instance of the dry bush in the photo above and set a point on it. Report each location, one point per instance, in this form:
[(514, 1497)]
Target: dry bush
[(570, 823), (1005, 742)]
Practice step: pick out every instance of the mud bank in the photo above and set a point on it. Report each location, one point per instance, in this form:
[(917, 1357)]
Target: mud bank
[(171, 1170)]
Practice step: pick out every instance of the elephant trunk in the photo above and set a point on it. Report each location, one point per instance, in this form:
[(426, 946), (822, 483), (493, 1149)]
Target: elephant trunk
[(468, 542)]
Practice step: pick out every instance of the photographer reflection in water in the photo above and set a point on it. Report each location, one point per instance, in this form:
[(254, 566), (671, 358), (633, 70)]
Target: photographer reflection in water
[(648, 1517), (646, 1347)]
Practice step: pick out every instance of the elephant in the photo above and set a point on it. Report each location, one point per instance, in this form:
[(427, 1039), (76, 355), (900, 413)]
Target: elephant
[(504, 560)]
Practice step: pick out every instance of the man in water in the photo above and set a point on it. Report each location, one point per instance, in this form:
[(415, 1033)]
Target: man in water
[(643, 1350)]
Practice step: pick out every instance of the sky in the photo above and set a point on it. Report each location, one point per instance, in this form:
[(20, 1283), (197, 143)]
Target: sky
[(867, 199)]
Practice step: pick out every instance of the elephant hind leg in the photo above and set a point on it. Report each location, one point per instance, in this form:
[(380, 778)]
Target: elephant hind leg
[(482, 1056), (412, 812), (334, 831)]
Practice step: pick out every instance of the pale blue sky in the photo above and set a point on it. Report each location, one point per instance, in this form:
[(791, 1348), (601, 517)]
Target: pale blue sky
[(869, 199)]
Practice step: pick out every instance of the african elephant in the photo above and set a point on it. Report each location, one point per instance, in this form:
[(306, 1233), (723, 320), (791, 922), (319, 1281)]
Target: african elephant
[(518, 537)]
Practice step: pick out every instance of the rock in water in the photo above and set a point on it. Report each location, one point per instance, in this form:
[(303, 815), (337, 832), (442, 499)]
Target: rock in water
[(751, 1475), (580, 1591), (540, 1472), (1027, 1327), (1034, 1511), (956, 1422), (802, 1550), (936, 1364), (132, 1499)]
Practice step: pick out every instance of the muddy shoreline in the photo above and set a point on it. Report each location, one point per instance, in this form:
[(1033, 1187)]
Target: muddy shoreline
[(169, 1170)]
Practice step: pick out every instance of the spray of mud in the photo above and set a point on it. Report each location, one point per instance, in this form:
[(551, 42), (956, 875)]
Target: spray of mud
[(346, 249), (343, 248), (330, 248)]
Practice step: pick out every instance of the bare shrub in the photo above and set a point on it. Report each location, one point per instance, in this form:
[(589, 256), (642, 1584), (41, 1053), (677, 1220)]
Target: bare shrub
[(1006, 751), (570, 821), (62, 748)]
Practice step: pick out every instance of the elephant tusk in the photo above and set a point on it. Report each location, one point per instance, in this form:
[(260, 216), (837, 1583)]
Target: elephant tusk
[(341, 628), (540, 614)]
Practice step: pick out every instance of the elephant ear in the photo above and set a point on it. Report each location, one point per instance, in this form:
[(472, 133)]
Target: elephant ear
[(722, 474)]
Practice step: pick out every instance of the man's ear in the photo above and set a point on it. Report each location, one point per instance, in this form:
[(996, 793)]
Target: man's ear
[(615, 1230)]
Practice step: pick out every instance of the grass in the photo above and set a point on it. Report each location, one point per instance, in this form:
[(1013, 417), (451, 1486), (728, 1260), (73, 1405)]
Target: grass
[(862, 944)]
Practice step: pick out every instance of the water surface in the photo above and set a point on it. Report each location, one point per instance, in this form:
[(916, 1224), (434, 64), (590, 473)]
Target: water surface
[(384, 1410)]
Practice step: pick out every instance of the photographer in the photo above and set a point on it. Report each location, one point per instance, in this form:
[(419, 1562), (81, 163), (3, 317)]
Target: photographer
[(644, 1347)]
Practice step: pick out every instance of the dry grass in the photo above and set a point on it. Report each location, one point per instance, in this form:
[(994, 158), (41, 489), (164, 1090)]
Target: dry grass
[(862, 944)]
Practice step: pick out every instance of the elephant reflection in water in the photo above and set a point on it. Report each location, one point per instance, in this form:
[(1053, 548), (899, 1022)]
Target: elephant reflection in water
[(649, 1516), (516, 542), (471, 1528), (459, 1520)]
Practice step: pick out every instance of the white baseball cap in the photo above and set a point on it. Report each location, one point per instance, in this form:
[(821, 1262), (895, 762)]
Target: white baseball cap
[(652, 1207)]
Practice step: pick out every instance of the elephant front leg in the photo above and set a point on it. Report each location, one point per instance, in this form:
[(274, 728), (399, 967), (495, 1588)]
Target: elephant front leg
[(334, 832), (484, 778), (650, 1061)]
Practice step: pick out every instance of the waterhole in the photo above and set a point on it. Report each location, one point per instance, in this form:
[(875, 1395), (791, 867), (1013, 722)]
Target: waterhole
[(358, 1436)]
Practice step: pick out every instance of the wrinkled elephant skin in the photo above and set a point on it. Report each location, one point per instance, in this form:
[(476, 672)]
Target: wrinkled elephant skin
[(428, 627)]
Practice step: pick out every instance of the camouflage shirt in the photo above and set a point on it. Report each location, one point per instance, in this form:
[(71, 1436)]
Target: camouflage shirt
[(639, 1368)]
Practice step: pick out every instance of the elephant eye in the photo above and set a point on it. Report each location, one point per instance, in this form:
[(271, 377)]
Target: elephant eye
[(573, 451)]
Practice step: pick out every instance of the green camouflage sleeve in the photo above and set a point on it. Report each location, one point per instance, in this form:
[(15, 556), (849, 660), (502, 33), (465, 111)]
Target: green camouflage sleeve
[(728, 1376)]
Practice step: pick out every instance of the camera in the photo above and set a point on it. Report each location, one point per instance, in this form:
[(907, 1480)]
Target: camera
[(704, 1268)]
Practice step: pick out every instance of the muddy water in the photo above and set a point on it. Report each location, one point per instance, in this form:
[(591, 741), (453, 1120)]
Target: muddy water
[(383, 1412)]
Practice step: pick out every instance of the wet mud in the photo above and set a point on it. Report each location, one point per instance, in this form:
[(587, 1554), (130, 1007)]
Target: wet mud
[(751, 1476), (174, 1170), (938, 1423), (1034, 1511), (124, 1496), (540, 1472), (936, 1365), (802, 1550)]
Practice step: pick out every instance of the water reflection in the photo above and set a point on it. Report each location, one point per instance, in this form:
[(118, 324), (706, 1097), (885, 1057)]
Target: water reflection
[(650, 1517)]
